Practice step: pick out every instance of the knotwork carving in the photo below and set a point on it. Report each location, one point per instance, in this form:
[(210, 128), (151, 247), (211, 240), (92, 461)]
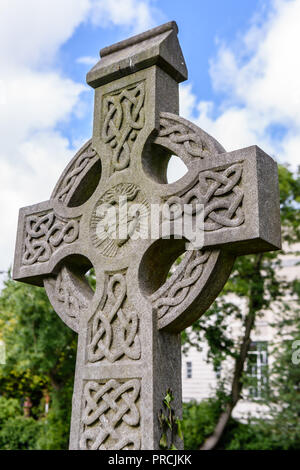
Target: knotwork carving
[(82, 163), (111, 416), (44, 233), (177, 287), (69, 294), (120, 215), (221, 196), (124, 117), (114, 330), (185, 139)]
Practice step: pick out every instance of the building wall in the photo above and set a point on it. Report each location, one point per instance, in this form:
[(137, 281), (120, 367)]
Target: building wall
[(203, 381)]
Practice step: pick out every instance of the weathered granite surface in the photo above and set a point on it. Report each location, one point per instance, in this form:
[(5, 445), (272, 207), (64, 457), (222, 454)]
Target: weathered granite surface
[(129, 329)]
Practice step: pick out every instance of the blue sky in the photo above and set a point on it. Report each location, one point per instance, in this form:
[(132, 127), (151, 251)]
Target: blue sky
[(243, 86), (202, 24)]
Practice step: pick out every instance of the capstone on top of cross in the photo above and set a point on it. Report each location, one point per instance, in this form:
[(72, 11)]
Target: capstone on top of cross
[(158, 46)]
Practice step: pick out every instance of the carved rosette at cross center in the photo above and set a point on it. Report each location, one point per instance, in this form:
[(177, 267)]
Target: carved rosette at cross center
[(120, 217)]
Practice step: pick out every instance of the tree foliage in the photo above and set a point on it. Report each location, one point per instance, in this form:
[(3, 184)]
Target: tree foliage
[(40, 356)]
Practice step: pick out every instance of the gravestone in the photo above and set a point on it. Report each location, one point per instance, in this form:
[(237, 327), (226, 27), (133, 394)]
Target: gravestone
[(129, 352)]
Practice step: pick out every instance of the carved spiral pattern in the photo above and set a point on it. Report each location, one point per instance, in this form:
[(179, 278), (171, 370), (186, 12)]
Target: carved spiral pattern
[(178, 286), (44, 233), (113, 339), (111, 414), (124, 117)]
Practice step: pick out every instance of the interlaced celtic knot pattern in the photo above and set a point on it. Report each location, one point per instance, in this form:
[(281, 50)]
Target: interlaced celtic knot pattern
[(67, 293), (111, 416), (124, 117), (221, 196), (177, 287), (192, 143), (83, 162), (44, 233), (114, 330)]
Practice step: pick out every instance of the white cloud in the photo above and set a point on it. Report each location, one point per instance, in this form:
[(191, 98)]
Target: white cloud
[(269, 81), (35, 101), (137, 14), (87, 60), (37, 162), (259, 78), (35, 97), (187, 101), (32, 31)]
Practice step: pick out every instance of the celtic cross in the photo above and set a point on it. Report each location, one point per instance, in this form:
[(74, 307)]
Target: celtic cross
[(129, 351)]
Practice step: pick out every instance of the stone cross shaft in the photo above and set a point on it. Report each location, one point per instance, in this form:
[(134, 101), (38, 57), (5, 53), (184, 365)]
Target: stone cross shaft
[(129, 351)]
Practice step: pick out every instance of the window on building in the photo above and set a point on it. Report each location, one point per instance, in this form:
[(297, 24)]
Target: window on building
[(189, 371), (257, 370)]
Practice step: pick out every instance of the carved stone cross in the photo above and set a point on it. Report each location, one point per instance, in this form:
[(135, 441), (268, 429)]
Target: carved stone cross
[(129, 351)]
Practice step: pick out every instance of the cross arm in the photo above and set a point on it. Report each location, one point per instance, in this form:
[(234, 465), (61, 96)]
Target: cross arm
[(44, 238), (52, 230), (240, 196)]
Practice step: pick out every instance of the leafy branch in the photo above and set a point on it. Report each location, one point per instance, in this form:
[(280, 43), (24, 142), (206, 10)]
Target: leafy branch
[(171, 425)]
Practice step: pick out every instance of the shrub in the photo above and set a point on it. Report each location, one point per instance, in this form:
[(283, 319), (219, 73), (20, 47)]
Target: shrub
[(199, 421), (19, 433), (9, 408)]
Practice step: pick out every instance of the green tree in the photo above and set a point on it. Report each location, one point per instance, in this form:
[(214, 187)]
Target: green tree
[(284, 395), (40, 355)]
